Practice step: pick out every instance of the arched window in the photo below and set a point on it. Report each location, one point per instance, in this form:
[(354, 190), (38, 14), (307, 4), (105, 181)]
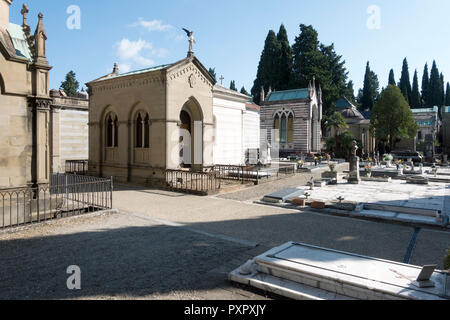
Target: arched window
[(112, 131), (142, 131), (284, 126)]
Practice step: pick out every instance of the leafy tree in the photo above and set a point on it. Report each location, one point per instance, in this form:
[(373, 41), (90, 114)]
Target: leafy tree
[(391, 117), (405, 83), (268, 66), (392, 78), (370, 92), (233, 85), (283, 75), (337, 122), (243, 91), (426, 87), (212, 71), (70, 85), (415, 94)]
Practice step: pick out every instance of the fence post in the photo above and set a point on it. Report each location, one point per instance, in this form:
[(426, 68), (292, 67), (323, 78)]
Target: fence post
[(111, 193)]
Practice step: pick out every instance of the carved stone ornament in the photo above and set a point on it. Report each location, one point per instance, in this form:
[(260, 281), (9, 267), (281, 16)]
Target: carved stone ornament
[(192, 80)]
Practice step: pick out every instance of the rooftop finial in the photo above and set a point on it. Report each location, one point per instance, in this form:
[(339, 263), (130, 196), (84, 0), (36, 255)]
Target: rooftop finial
[(24, 13)]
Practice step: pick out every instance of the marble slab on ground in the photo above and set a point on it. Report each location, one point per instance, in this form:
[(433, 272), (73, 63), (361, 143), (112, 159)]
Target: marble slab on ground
[(285, 194), (345, 273), (397, 193)]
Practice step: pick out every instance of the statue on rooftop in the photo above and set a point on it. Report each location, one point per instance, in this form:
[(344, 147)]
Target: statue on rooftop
[(190, 35)]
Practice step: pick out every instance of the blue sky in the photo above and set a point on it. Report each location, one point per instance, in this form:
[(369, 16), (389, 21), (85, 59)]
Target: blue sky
[(230, 34)]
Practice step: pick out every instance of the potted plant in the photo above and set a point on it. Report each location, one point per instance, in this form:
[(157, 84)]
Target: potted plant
[(368, 170), (388, 159)]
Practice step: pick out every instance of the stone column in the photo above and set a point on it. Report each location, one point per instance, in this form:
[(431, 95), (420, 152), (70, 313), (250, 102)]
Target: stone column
[(55, 142), (40, 173), (354, 177)]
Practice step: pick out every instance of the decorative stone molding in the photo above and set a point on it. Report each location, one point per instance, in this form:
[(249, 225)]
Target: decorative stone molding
[(129, 83)]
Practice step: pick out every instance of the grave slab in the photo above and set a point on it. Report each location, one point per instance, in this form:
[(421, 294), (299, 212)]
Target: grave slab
[(342, 273), (283, 195)]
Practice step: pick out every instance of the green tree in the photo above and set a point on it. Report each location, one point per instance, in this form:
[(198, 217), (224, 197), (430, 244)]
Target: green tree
[(268, 66), (336, 122), (233, 85), (435, 89), (392, 78), (391, 117), (441, 77), (426, 87), (243, 91), (370, 90), (447, 95), (415, 94), (212, 71), (405, 83), (283, 76), (70, 85)]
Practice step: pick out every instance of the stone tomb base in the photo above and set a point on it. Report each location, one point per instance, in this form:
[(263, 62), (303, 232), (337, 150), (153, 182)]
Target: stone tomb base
[(304, 272)]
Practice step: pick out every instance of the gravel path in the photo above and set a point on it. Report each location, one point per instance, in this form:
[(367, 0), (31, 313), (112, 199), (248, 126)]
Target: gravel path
[(120, 257)]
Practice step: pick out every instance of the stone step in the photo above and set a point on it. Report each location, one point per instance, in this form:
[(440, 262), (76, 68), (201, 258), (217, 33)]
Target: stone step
[(302, 271)]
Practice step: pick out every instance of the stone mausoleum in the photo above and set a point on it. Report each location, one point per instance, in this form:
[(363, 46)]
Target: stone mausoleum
[(169, 117), (291, 120), (24, 102)]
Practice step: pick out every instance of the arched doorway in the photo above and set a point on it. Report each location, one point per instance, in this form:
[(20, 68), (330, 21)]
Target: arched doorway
[(191, 135), (185, 139)]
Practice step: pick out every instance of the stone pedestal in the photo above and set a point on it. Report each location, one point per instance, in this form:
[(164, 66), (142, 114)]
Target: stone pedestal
[(354, 177)]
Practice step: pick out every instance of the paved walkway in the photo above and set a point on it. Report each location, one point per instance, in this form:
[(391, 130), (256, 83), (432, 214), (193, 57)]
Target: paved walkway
[(163, 245)]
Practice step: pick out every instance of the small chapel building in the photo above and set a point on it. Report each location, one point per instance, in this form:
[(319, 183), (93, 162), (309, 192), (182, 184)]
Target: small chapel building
[(291, 120), (169, 117)]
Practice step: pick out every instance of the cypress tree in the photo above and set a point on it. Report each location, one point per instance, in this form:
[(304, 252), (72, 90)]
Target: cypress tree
[(367, 98), (435, 90), (442, 90), (212, 71), (284, 62), (392, 78), (447, 95), (243, 91), (405, 83), (268, 66), (415, 94), (426, 87), (233, 85)]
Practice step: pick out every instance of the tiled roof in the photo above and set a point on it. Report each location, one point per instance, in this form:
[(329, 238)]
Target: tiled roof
[(296, 94)]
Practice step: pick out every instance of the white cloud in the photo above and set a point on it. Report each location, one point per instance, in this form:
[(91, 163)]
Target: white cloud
[(124, 67), (153, 25), (134, 52)]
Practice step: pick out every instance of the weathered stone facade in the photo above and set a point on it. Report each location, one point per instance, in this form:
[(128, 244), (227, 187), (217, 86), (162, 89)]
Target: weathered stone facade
[(24, 103), (135, 120)]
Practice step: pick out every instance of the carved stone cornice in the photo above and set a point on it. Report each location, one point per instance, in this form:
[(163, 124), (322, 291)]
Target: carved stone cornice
[(116, 84)]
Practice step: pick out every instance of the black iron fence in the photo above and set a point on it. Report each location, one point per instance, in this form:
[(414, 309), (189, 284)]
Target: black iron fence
[(66, 196), (77, 166), (192, 182), (254, 174)]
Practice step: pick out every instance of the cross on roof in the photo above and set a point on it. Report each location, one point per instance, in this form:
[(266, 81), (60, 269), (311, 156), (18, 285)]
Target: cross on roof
[(221, 80)]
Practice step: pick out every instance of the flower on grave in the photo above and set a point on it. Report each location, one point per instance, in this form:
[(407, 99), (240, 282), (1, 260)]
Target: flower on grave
[(388, 157), (368, 169)]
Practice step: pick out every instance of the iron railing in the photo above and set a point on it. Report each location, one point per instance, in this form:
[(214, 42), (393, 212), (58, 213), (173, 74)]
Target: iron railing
[(192, 182), (66, 196), (76, 166), (253, 174)]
